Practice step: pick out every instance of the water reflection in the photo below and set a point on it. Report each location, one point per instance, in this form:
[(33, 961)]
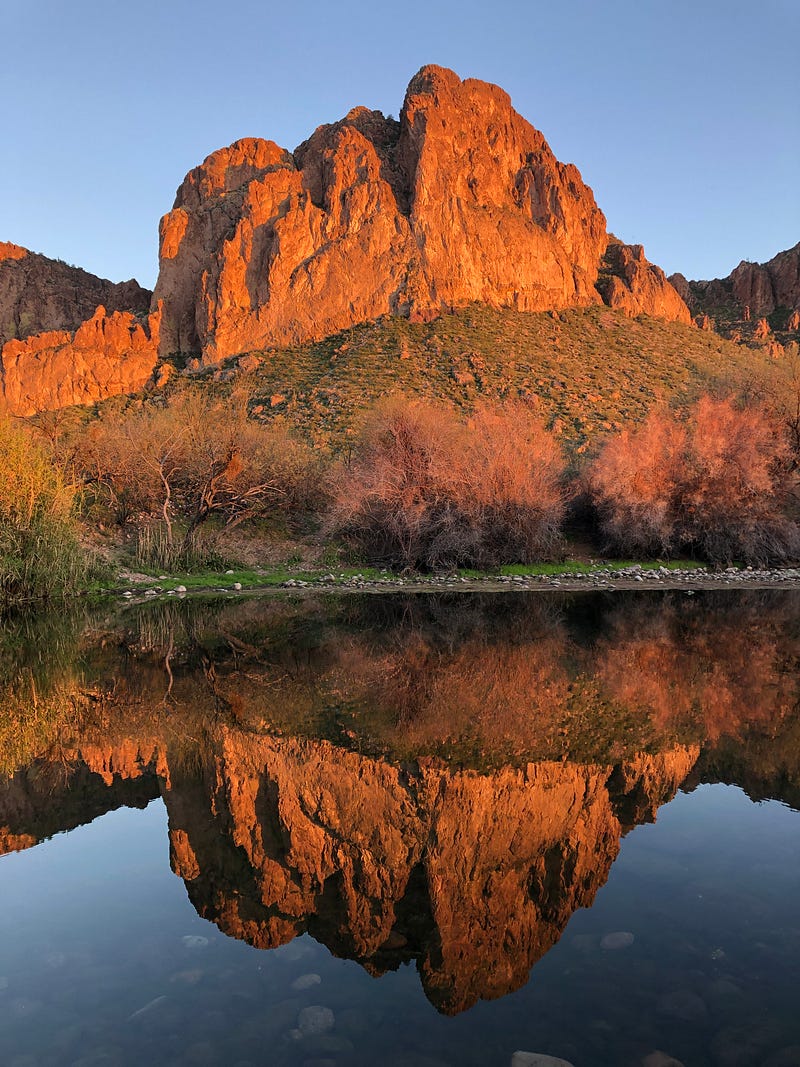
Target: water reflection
[(433, 779)]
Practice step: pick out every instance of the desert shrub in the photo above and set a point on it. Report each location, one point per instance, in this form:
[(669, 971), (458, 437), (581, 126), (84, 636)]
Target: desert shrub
[(715, 485), (39, 551), (512, 494), (634, 485), (424, 489), (391, 495), (196, 457)]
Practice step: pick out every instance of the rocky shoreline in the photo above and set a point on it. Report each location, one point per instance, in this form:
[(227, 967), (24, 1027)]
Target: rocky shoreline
[(606, 579), (635, 577)]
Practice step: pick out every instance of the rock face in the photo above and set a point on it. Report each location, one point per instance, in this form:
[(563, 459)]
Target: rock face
[(768, 286), (462, 200), (629, 283), (38, 294), (107, 355), (68, 337), (751, 290), (459, 201)]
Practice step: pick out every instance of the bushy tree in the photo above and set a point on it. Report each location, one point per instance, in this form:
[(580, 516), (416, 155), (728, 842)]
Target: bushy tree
[(714, 484), (195, 457), (425, 489)]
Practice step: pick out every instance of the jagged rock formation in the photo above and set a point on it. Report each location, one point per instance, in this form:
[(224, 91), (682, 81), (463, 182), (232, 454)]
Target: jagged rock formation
[(461, 200), (750, 292), (39, 294), (107, 355), (68, 337), (768, 286), (629, 283)]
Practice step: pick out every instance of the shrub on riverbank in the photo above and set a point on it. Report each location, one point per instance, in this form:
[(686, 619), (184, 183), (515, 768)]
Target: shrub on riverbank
[(426, 489), (198, 457), (715, 484), (39, 552)]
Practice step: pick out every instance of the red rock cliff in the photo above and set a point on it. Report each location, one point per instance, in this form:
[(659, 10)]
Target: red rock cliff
[(761, 288), (629, 283), (107, 355), (68, 337), (461, 200)]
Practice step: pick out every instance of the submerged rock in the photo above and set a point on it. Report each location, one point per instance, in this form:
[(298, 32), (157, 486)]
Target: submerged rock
[(660, 1059), (194, 941), (316, 1019), (619, 939), (683, 1004), (537, 1059)]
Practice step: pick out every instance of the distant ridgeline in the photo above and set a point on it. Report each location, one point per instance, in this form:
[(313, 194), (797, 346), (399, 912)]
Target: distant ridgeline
[(460, 202)]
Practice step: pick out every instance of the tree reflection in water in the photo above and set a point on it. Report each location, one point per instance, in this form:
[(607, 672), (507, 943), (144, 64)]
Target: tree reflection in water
[(441, 779)]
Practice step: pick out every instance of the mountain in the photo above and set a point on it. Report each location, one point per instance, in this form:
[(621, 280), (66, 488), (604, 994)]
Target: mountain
[(755, 300), (460, 201), (39, 294), (67, 336)]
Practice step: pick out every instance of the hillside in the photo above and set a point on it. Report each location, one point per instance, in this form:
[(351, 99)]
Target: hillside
[(40, 294), (589, 369)]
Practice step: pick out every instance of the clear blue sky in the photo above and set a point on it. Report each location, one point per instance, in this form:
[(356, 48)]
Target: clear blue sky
[(683, 115)]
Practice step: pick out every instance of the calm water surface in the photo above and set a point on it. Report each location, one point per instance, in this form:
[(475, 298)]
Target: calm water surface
[(427, 831)]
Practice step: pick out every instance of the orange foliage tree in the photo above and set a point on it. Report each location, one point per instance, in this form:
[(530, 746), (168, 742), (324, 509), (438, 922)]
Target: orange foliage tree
[(193, 458), (715, 484), (425, 489)]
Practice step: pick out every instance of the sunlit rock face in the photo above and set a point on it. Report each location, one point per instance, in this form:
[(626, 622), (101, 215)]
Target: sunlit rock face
[(68, 337), (630, 283), (760, 288), (460, 200), (107, 355)]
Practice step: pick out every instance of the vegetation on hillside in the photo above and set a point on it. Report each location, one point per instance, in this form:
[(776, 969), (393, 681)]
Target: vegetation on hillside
[(590, 371)]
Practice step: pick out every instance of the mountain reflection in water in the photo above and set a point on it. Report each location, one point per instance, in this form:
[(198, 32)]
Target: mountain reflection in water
[(440, 779)]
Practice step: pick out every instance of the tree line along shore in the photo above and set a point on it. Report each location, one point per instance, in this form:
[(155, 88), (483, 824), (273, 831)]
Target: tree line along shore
[(181, 484)]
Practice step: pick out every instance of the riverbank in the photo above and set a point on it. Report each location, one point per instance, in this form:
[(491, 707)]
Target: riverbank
[(569, 577)]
